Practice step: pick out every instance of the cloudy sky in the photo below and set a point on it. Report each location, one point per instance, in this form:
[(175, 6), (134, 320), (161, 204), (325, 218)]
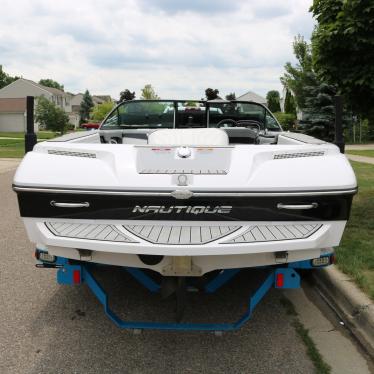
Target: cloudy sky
[(180, 47)]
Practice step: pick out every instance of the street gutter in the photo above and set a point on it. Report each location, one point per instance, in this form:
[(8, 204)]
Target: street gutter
[(353, 306)]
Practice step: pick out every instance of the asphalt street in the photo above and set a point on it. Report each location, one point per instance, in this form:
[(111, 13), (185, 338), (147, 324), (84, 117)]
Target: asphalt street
[(48, 328)]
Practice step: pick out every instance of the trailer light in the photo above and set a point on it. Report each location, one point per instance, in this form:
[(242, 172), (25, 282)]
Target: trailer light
[(321, 261), (76, 276), (45, 257), (279, 281)]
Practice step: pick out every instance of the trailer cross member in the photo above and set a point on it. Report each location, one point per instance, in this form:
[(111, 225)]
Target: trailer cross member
[(72, 273)]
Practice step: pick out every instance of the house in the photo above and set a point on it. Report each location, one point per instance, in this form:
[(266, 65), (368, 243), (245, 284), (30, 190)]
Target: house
[(13, 114), (97, 99), (251, 96), (21, 88)]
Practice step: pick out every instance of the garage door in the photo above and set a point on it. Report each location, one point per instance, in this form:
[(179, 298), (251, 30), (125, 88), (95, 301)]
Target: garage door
[(12, 122)]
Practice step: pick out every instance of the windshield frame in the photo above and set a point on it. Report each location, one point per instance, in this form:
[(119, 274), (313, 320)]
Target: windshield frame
[(206, 103)]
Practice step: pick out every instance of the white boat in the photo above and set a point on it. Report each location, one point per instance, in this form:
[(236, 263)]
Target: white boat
[(187, 188)]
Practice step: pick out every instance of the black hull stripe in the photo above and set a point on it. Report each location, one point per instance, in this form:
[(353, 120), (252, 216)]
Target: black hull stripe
[(242, 208)]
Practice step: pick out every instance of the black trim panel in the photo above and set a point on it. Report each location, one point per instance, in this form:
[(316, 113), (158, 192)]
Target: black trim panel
[(244, 208)]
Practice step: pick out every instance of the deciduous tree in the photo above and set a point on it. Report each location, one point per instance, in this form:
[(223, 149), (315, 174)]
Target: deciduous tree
[(301, 75), (148, 93), (5, 78), (126, 95), (313, 96), (343, 50), (231, 96), (50, 116), (51, 83), (211, 94), (100, 111)]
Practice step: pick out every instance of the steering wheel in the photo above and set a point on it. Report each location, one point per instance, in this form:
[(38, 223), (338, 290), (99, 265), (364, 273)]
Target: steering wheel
[(250, 123), (225, 122)]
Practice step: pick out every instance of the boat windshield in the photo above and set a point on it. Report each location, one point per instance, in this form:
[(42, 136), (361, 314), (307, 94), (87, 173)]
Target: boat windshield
[(154, 114)]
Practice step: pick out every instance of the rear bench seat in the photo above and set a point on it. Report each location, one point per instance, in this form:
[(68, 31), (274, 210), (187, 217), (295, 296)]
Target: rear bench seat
[(194, 137)]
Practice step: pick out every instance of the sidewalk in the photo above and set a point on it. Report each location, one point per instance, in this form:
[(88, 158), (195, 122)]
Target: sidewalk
[(357, 147), (8, 164), (367, 160)]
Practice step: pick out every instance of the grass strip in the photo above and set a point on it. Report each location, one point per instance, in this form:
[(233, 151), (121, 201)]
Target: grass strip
[(355, 255), (21, 135), (321, 366), (12, 144), (312, 351), (365, 153)]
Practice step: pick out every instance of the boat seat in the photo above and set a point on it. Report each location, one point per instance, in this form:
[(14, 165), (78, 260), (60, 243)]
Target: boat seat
[(196, 137)]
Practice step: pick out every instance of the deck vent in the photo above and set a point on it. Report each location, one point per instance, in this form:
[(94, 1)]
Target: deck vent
[(185, 171), (281, 156), (71, 153)]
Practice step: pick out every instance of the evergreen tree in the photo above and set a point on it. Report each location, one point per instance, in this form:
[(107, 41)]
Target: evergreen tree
[(289, 104), (313, 97), (319, 110), (273, 101), (86, 106)]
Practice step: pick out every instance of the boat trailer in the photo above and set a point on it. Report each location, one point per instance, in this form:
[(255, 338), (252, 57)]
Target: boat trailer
[(283, 276)]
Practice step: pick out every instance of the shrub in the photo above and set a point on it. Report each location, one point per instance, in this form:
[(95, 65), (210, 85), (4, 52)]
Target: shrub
[(287, 120)]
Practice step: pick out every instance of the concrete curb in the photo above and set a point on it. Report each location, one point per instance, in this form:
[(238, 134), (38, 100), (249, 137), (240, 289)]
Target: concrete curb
[(353, 306)]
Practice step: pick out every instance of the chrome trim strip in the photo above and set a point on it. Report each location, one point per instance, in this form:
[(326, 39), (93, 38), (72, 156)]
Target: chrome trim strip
[(195, 194), (70, 205), (297, 206), (177, 146)]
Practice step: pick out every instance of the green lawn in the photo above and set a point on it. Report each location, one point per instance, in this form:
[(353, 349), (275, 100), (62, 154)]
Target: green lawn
[(15, 148), (12, 148), (355, 255), (40, 135), (367, 153)]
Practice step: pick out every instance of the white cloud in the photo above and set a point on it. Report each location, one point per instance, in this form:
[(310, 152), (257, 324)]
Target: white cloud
[(180, 47)]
